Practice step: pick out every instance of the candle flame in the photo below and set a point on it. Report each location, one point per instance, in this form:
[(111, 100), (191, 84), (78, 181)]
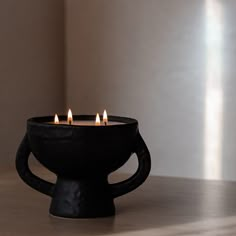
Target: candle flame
[(69, 117), (105, 119), (97, 122), (56, 119)]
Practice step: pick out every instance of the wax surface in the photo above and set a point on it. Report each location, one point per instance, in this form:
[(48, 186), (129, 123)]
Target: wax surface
[(87, 123)]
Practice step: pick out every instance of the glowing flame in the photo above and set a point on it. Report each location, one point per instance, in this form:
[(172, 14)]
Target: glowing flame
[(97, 122), (69, 117), (105, 119), (56, 119)]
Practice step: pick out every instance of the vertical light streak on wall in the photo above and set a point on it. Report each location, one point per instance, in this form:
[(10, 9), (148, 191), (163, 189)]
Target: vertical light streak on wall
[(214, 93)]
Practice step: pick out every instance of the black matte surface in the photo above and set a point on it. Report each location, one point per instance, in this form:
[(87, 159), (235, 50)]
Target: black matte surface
[(82, 157)]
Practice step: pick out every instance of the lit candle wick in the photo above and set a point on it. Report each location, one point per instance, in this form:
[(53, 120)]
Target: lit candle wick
[(97, 121), (105, 119), (69, 117), (56, 119)]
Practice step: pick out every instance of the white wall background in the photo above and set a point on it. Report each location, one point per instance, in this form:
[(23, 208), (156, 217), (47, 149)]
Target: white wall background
[(170, 64), (31, 67)]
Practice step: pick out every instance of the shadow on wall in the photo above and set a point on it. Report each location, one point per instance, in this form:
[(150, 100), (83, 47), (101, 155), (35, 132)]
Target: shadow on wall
[(31, 67)]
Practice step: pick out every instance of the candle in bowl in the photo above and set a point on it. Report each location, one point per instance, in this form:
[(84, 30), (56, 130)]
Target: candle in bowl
[(84, 120), (89, 120)]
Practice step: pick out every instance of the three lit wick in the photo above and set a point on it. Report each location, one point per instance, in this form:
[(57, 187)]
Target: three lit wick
[(70, 118)]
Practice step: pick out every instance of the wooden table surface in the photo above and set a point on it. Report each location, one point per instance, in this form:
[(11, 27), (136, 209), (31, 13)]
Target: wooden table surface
[(162, 206)]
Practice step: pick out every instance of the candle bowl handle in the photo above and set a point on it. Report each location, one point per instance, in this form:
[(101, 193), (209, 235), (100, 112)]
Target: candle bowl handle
[(25, 173), (144, 167)]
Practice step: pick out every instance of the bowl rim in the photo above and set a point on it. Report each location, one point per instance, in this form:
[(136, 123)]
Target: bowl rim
[(44, 121)]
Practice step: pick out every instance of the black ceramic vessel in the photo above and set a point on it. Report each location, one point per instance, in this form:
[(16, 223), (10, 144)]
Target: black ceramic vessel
[(82, 157)]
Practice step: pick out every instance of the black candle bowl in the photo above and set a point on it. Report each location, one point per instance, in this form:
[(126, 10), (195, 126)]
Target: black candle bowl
[(82, 157)]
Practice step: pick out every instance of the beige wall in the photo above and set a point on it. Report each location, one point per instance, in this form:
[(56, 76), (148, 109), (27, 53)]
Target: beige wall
[(31, 66), (170, 64)]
